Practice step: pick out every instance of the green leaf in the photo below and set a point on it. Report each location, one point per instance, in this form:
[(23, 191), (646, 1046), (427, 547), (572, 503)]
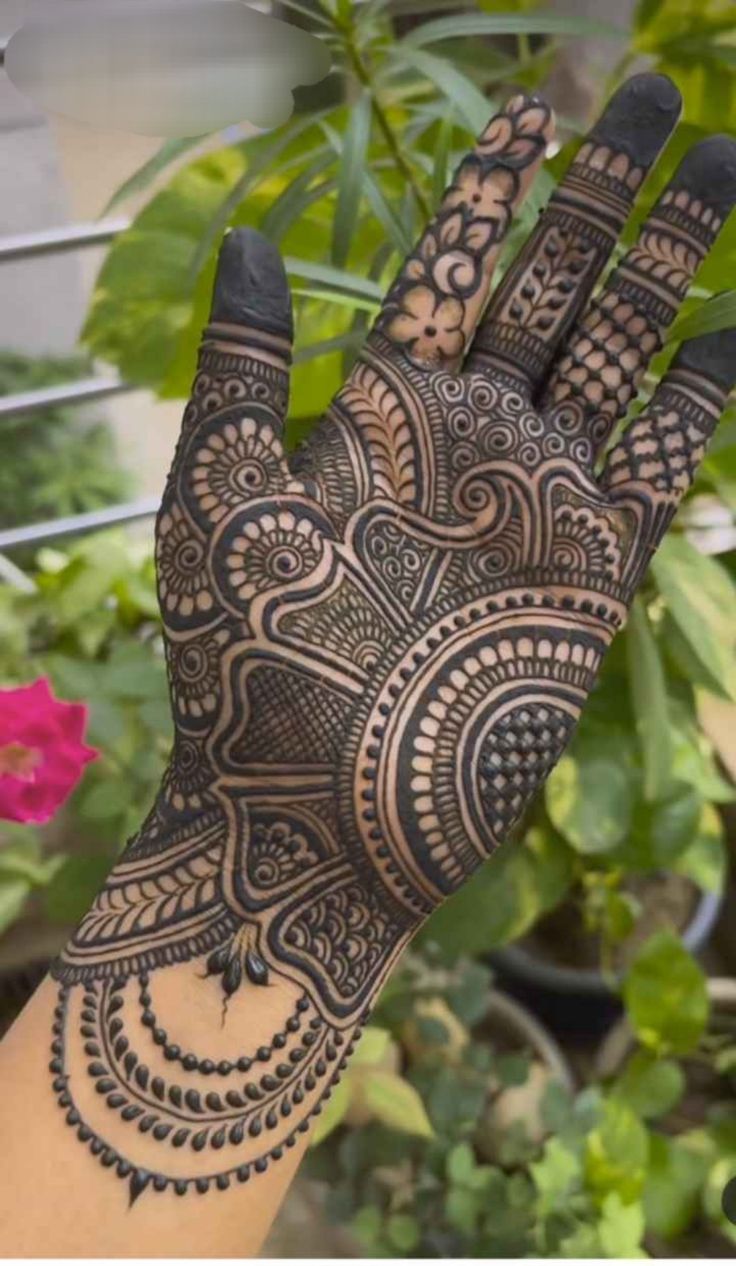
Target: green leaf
[(541, 23), (291, 202), (332, 1112), (352, 167), (372, 1046), (147, 173), (337, 279), (105, 799), (106, 722), (134, 672), (513, 1069), (342, 298), (75, 886), (342, 342), (462, 1209), (23, 859), (650, 1086), (621, 1228), (261, 153), (156, 714), (582, 1244), (616, 1154), (403, 1232), (503, 898), (143, 295), (88, 578), (705, 859), (468, 100), (660, 833), (387, 215), (589, 794), (460, 1163), (694, 755), (719, 313), (442, 153), (649, 702), (665, 996), (13, 896), (396, 1103), (557, 1175), (306, 12), (366, 1225), (672, 1188), (701, 598)]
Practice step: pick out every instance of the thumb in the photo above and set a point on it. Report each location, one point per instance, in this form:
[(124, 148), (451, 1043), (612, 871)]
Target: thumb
[(230, 446), (246, 346)]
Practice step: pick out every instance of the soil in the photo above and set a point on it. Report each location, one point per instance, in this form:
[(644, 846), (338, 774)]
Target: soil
[(667, 901)]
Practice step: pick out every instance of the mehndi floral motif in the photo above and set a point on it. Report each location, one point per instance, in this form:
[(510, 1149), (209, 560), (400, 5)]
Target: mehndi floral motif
[(183, 578), (271, 549), (425, 310), (240, 459)]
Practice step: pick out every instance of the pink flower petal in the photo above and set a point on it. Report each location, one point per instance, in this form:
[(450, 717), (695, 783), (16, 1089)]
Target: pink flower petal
[(31, 717)]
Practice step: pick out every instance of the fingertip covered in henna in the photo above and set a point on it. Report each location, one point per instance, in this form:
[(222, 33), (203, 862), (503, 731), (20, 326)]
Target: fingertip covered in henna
[(712, 357), (251, 287), (708, 172), (639, 117)]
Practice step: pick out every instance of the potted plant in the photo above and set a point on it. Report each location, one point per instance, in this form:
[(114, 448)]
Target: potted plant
[(496, 1163), (672, 1060), (607, 1171), (446, 1060)]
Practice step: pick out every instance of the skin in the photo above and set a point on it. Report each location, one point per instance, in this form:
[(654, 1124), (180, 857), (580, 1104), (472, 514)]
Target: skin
[(377, 651)]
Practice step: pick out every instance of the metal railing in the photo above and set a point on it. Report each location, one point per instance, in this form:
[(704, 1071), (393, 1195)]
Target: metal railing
[(25, 246), (75, 524), (54, 241), (78, 391)]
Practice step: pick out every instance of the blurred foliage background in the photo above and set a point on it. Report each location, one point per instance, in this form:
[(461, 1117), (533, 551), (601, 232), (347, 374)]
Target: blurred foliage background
[(620, 868)]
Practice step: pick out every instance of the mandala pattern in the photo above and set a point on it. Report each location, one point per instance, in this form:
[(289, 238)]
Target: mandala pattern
[(270, 550), (239, 460), (378, 649)]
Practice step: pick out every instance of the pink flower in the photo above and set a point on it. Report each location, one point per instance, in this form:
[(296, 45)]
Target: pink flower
[(41, 751)]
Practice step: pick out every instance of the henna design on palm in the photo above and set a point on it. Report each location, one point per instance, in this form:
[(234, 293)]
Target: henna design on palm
[(378, 649)]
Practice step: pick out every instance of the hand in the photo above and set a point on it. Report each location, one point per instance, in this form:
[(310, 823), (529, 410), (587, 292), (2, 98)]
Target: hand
[(378, 650)]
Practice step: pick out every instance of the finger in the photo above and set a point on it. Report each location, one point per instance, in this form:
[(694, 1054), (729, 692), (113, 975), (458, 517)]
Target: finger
[(245, 351), (433, 306), (599, 373), (654, 463), (230, 448), (551, 280)]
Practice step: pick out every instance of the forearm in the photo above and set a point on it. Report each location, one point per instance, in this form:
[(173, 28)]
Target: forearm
[(168, 1072), (59, 1200)]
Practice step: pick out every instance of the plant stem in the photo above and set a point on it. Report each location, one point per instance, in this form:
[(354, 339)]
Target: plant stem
[(524, 49), (392, 141)]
